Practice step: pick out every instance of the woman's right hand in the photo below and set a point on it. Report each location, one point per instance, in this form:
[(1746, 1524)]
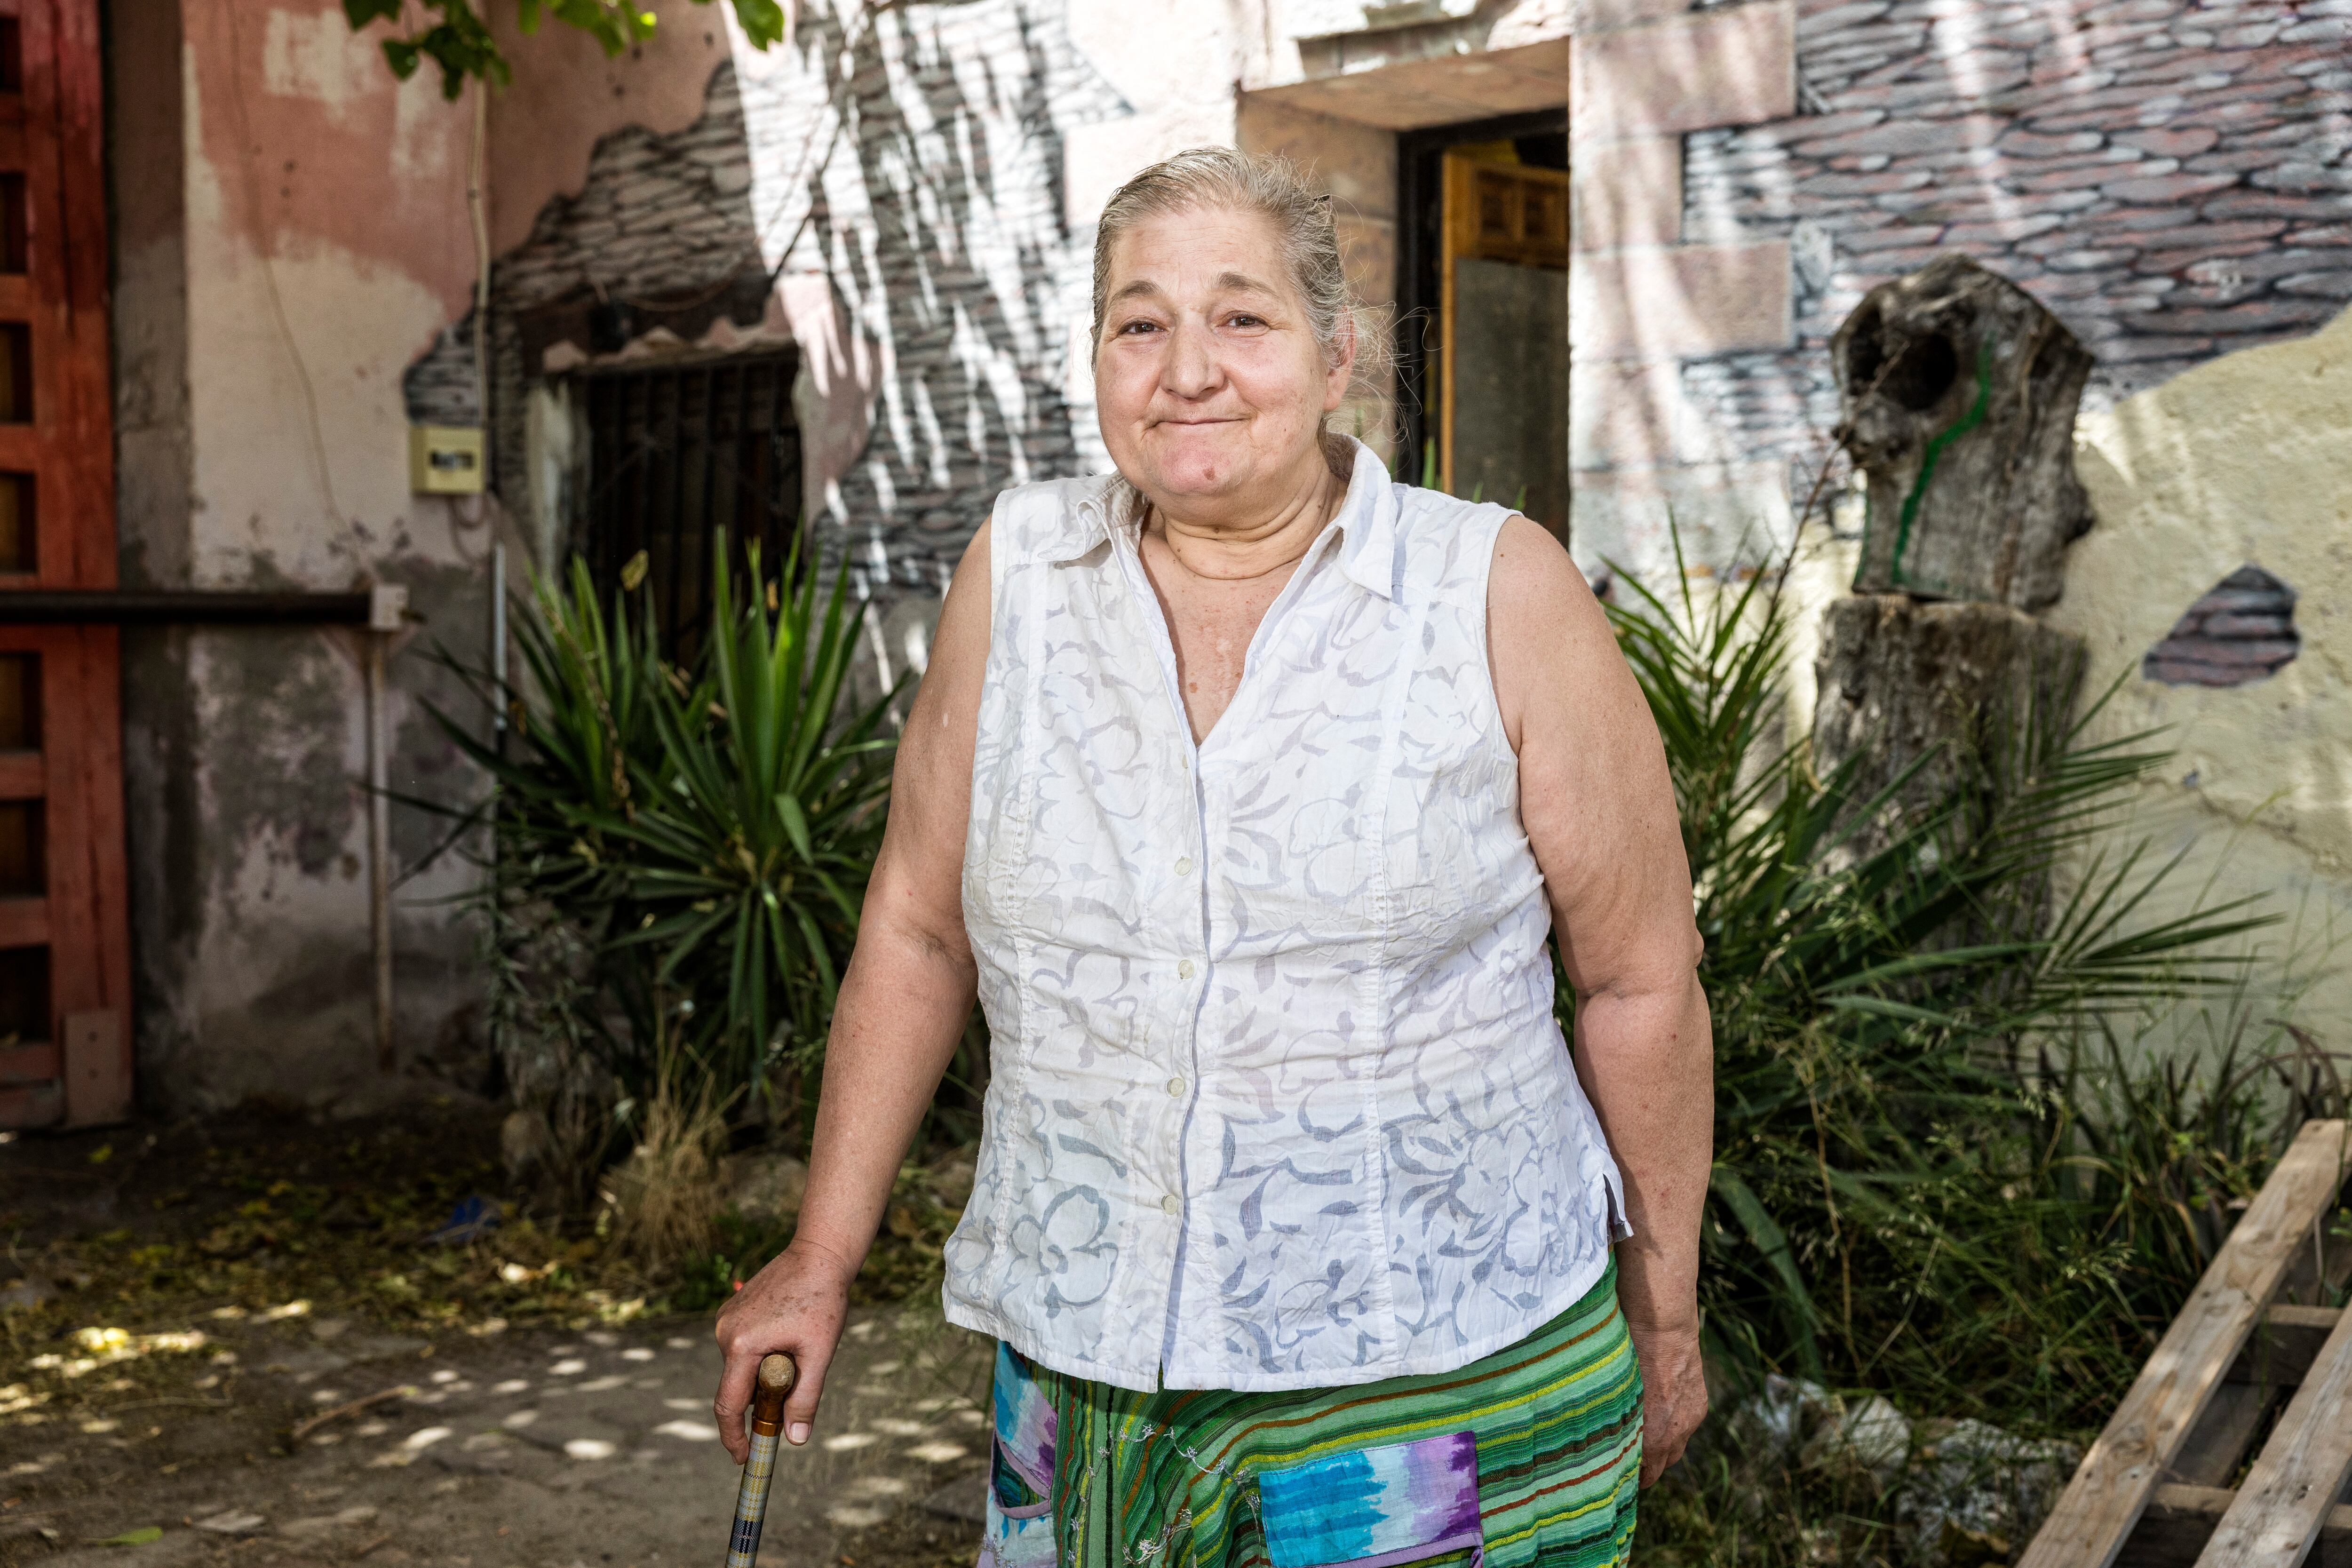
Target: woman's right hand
[(797, 1304)]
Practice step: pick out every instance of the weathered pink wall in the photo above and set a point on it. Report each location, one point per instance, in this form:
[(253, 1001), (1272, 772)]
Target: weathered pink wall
[(566, 96), (295, 233), (315, 145)]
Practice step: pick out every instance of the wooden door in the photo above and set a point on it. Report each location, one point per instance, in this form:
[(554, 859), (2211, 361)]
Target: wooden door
[(1503, 337), (65, 962)]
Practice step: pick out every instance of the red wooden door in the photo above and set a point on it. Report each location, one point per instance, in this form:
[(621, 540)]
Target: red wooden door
[(65, 961)]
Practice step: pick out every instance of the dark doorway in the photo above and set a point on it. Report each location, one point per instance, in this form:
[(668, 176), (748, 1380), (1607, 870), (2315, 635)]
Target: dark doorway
[(1482, 252), (677, 453)]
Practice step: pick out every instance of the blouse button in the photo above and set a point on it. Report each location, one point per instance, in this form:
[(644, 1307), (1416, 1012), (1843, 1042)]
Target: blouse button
[(1184, 969), (1171, 1204), (1176, 1088), (1184, 867)]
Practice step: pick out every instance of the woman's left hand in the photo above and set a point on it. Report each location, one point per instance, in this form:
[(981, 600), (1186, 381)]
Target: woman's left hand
[(1673, 1394)]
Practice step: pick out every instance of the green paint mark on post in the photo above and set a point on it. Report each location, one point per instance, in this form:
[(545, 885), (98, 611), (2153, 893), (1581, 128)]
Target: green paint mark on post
[(1943, 438)]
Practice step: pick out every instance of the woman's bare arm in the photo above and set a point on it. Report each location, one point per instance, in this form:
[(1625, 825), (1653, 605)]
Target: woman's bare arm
[(903, 1005), (1600, 813)]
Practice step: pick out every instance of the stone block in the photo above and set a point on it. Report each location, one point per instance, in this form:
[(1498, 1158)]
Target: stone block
[(1732, 66), (1679, 302), (2171, 188), (1880, 184), (1627, 193), (2171, 144), (1897, 136), (2006, 231), (1624, 415), (2032, 144), (1355, 162), (1723, 514), (1596, 15)]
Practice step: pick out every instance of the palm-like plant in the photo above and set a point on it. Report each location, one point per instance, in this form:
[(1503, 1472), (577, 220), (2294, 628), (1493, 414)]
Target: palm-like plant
[(1889, 1204), (753, 847), (706, 830)]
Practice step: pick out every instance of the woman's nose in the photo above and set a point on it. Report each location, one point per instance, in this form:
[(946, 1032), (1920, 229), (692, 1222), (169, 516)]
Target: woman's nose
[(1192, 369)]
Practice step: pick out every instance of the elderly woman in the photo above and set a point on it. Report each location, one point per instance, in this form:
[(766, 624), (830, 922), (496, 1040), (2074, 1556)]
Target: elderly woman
[(1244, 787)]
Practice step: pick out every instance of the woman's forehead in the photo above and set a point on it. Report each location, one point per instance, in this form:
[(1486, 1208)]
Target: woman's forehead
[(1200, 250)]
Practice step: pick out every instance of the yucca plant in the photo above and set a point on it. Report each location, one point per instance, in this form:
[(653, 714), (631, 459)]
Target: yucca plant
[(752, 848), (1888, 1206), (706, 831)]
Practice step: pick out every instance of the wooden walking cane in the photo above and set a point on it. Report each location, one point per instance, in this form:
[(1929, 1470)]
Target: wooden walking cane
[(777, 1374)]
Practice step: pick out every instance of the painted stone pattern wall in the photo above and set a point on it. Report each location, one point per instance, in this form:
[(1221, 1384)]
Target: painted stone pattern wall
[(2173, 181)]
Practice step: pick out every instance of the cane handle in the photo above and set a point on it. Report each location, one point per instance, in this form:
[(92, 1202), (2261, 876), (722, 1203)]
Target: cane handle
[(778, 1372)]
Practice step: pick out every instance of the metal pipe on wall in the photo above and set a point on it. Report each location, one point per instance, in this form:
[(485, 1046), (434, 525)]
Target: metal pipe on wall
[(386, 607)]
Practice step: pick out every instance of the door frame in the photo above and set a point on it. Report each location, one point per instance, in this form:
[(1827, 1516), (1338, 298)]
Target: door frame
[(1421, 249)]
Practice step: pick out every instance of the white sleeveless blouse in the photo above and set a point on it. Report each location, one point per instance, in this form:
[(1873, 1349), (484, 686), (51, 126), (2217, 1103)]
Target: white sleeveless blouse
[(1277, 1100)]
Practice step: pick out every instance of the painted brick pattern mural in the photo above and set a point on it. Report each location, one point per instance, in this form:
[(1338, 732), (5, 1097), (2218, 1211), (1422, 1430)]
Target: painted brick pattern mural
[(2174, 181), (905, 170)]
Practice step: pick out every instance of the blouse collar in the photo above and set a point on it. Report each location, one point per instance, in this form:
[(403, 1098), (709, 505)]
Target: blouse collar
[(1367, 520)]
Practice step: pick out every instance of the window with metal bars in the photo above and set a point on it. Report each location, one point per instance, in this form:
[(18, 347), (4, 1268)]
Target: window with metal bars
[(675, 454)]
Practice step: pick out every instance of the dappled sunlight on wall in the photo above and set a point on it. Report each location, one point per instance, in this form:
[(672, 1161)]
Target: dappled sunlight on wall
[(2239, 462)]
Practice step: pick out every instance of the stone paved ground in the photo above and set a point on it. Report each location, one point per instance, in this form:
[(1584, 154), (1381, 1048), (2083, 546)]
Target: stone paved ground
[(533, 1446), (526, 1449)]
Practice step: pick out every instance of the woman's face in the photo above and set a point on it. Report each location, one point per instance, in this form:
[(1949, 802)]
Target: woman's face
[(1210, 387)]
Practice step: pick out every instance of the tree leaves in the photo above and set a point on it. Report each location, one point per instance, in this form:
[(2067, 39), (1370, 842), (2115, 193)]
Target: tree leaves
[(459, 42)]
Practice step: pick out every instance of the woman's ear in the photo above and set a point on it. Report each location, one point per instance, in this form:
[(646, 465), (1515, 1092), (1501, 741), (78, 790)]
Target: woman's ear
[(1341, 371)]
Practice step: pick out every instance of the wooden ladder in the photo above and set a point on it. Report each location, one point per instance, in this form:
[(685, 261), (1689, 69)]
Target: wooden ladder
[(2153, 1489)]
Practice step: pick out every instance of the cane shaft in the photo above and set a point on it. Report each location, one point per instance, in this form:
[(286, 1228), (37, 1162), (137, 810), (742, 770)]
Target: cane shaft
[(751, 1501), (774, 1381)]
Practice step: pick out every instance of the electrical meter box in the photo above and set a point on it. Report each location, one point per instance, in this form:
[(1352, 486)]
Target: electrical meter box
[(445, 459)]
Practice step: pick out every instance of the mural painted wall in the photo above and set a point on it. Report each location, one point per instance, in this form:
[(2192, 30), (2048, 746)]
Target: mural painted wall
[(2170, 179), (2231, 477), (906, 193)]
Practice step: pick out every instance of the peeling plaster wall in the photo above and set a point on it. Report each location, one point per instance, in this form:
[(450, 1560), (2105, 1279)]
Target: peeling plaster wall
[(900, 174), (2241, 460), (291, 233)]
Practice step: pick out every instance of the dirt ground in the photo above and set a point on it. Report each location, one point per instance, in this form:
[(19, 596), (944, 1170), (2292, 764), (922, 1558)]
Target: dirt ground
[(168, 1397)]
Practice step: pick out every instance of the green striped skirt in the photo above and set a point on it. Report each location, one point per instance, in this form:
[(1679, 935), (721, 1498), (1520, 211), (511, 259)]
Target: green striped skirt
[(1529, 1456)]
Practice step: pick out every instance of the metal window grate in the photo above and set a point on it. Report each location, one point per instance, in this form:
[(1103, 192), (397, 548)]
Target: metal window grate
[(677, 453)]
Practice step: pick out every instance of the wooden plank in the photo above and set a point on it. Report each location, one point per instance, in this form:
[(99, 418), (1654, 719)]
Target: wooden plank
[(24, 922), (2281, 1354), (2285, 1497), (2095, 1514), (22, 776), (36, 1105), (21, 1064), (95, 1056), (89, 946), (2181, 1519)]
